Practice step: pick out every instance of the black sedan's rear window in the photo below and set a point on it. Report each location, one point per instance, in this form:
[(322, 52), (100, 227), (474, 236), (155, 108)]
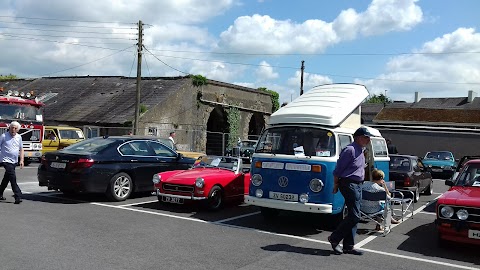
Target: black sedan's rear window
[(400, 163), (93, 145)]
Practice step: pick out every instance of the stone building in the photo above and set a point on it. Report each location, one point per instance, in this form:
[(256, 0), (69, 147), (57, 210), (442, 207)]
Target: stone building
[(106, 106)]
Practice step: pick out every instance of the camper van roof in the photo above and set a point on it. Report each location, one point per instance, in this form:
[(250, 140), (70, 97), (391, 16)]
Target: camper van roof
[(326, 105)]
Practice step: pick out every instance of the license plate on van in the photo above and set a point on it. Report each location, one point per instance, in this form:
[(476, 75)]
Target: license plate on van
[(283, 196)]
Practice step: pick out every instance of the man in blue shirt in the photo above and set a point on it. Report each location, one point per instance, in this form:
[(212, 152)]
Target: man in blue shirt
[(10, 149), (348, 177)]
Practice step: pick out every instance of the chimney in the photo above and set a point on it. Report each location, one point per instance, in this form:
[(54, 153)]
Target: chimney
[(417, 97), (471, 96)]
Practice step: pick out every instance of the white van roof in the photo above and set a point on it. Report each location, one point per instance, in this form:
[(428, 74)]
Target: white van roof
[(326, 105)]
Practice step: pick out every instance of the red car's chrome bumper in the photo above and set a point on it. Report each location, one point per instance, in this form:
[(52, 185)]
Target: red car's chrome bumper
[(192, 197)]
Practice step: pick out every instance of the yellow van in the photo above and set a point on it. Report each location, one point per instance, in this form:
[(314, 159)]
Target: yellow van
[(58, 137)]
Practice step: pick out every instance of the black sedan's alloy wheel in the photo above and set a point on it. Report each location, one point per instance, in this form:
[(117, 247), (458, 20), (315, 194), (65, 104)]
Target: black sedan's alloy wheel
[(121, 187)]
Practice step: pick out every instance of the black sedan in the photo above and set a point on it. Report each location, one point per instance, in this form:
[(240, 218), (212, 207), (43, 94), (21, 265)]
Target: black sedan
[(410, 173), (116, 166)]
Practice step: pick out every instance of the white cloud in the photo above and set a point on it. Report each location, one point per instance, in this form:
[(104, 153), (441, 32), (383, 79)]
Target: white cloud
[(150, 11), (264, 34), (448, 74), (265, 72), (309, 80)]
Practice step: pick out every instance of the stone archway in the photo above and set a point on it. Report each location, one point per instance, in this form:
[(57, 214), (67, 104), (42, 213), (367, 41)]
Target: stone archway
[(255, 126), (217, 126)]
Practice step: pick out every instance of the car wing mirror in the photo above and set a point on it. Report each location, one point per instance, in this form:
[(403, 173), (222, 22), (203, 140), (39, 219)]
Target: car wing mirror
[(179, 156)]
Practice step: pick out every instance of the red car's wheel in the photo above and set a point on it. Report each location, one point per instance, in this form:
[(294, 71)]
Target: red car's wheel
[(215, 199)]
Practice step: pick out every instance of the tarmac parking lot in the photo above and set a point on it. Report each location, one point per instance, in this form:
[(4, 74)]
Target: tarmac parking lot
[(52, 231)]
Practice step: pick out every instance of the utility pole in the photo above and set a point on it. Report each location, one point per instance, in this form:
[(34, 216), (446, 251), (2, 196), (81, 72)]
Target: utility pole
[(301, 78), (139, 76)]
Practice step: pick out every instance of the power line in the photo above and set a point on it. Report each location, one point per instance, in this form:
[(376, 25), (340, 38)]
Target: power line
[(322, 74), (320, 54), (68, 43), (65, 31), (147, 66), (164, 62), (88, 62), (66, 25), (35, 35), (60, 20), (225, 62), (133, 62)]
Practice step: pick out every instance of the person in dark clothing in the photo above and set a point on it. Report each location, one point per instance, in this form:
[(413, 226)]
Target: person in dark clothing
[(348, 176), (392, 149)]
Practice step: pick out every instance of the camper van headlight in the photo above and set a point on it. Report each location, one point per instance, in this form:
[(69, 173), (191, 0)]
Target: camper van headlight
[(259, 193), (462, 214), (303, 198), (257, 180), (316, 185), (446, 211)]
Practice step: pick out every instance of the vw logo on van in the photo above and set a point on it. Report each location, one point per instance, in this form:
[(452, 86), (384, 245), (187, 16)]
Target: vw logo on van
[(283, 181)]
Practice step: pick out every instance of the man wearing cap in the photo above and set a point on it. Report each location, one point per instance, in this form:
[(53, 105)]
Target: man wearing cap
[(348, 178)]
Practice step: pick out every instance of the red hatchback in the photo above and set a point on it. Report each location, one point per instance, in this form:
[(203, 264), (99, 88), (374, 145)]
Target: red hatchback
[(458, 209), (213, 180)]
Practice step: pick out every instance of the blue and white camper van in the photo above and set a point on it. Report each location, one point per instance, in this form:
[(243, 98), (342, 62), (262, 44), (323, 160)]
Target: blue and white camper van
[(292, 167)]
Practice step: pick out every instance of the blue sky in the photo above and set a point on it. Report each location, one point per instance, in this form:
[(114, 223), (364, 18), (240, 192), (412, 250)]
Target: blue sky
[(402, 46)]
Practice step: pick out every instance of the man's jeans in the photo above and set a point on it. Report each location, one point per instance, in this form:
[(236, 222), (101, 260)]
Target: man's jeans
[(12, 178), (346, 231)]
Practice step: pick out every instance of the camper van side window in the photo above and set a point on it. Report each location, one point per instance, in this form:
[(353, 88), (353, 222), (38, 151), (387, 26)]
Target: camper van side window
[(379, 147), (344, 140)]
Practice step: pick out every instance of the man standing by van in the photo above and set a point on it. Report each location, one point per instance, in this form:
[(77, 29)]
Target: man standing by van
[(10, 149), (349, 175)]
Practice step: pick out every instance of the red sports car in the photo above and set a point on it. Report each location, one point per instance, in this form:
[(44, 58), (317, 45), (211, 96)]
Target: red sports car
[(458, 209), (213, 180)]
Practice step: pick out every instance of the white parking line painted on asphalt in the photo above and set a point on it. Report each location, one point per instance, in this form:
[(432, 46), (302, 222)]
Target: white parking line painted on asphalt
[(133, 204), (150, 212), (280, 234), (291, 236), (428, 213), (419, 259), (27, 183), (237, 217)]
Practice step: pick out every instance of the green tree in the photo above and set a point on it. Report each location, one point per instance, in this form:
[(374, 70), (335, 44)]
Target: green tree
[(275, 98), (378, 99), (8, 77)]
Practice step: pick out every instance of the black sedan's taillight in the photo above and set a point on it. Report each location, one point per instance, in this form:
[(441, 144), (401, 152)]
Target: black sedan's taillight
[(406, 181), (81, 163)]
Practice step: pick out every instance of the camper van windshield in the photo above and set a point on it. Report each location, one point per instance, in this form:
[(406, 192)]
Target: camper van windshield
[(298, 141)]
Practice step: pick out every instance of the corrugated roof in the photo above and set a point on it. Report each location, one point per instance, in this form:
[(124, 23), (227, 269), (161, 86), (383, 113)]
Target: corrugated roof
[(422, 115), (97, 99), (440, 103)]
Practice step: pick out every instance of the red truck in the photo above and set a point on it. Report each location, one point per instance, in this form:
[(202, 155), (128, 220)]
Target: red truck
[(26, 109)]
